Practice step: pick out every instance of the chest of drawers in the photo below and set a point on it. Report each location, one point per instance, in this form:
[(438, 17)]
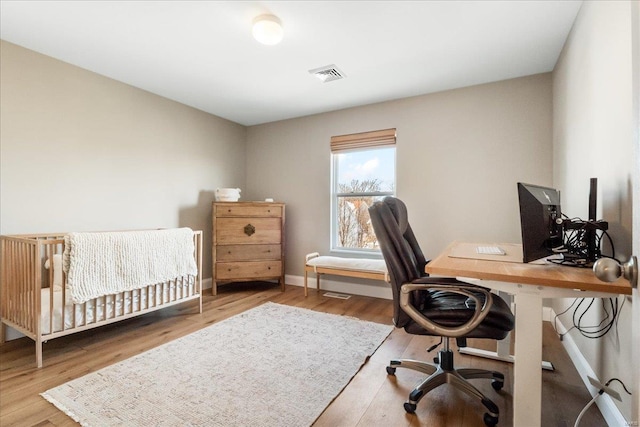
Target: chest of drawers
[(248, 242)]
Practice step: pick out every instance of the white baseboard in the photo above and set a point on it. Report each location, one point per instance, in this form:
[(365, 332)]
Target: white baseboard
[(605, 403), (382, 291)]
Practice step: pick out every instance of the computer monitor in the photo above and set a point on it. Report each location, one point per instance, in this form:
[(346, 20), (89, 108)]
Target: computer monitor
[(539, 210)]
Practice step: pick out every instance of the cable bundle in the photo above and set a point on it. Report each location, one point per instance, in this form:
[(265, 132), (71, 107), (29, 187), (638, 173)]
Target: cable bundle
[(611, 307), (577, 249), (576, 254)]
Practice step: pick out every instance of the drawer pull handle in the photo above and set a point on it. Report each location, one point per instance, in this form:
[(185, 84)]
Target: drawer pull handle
[(269, 268), (249, 229), (229, 252)]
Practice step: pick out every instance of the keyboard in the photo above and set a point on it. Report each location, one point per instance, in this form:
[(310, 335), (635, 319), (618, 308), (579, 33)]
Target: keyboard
[(490, 250)]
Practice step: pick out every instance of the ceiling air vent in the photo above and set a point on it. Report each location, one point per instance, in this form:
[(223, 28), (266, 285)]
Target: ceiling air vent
[(328, 73)]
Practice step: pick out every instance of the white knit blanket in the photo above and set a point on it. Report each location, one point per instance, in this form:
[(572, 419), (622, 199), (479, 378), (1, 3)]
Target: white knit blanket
[(100, 264)]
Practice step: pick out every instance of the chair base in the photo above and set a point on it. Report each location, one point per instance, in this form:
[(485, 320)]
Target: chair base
[(444, 372)]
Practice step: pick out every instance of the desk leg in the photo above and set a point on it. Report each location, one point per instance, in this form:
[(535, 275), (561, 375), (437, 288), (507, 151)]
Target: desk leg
[(503, 350), (527, 382)]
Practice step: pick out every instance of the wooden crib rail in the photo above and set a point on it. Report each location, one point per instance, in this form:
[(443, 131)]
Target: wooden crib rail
[(23, 275)]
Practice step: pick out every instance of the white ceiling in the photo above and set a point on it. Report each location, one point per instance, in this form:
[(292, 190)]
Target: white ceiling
[(201, 53)]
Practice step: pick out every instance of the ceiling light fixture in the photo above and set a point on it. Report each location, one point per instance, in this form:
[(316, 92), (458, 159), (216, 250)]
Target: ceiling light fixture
[(267, 29)]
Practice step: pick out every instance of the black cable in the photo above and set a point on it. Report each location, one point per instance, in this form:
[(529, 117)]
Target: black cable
[(618, 318), (613, 250), (577, 324), (602, 328), (555, 320), (611, 307), (575, 253), (621, 383)]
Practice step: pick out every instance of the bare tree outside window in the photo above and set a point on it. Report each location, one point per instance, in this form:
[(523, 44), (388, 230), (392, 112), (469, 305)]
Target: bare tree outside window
[(361, 178), (354, 225)]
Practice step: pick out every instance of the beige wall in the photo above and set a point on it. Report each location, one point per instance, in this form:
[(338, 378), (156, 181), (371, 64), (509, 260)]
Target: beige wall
[(460, 154), (80, 152), (592, 136)]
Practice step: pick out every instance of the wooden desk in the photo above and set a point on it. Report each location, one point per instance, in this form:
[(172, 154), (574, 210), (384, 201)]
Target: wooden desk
[(529, 284)]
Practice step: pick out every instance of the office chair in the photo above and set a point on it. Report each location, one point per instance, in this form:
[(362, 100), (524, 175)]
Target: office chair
[(444, 307)]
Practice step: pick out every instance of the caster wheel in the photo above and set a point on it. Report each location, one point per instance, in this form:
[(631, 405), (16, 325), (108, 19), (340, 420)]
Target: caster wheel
[(497, 385), (489, 420), (391, 370), (410, 407)]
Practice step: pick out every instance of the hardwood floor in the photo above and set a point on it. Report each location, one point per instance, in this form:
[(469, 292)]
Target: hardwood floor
[(371, 399)]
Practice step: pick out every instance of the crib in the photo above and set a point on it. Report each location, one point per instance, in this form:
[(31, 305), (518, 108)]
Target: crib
[(35, 299)]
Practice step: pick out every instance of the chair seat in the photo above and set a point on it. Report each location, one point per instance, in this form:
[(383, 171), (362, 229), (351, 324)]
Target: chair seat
[(449, 309)]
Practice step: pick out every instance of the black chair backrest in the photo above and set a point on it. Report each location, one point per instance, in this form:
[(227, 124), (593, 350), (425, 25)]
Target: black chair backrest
[(402, 254)]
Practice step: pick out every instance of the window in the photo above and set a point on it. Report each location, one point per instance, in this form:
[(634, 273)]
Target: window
[(363, 173)]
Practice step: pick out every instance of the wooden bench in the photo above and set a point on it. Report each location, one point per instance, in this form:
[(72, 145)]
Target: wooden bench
[(363, 268)]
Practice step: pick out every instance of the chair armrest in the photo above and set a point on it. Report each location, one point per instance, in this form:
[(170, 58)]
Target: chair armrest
[(480, 312)]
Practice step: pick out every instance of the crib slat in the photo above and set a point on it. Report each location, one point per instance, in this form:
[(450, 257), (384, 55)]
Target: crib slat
[(198, 253), (49, 256), (21, 277), (24, 287), (72, 317), (63, 304), (17, 276), (30, 289), (36, 285), (34, 293), (8, 274), (155, 295), (3, 289)]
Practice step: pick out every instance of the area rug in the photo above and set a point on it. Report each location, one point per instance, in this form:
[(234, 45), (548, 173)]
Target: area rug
[(274, 365)]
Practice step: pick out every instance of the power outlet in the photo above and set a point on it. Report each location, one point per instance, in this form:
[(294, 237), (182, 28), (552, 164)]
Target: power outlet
[(611, 392)]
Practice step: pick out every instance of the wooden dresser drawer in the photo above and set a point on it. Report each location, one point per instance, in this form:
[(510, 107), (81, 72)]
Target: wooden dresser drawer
[(253, 210), (248, 252), (250, 269), (248, 231), (248, 242)]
